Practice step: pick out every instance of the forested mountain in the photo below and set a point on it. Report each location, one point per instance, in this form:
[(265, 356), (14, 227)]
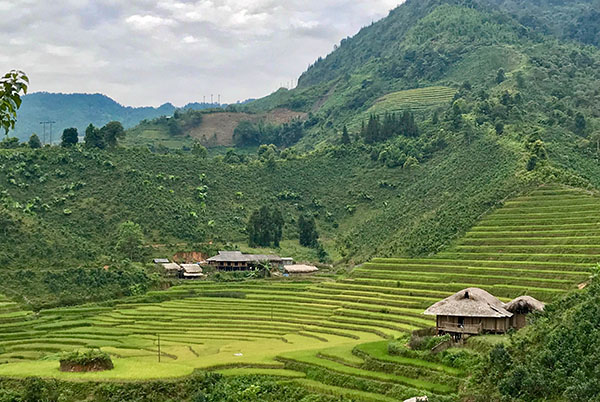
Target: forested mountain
[(79, 110), (459, 103), (435, 137)]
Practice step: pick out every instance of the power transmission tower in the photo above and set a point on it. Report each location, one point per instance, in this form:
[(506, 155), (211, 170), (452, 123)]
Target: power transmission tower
[(45, 123)]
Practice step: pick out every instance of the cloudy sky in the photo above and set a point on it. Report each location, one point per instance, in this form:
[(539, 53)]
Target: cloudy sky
[(148, 52)]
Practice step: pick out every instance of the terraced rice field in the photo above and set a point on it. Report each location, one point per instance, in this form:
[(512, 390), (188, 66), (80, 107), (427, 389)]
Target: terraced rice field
[(415, 100), (322, 334), (412, 99)]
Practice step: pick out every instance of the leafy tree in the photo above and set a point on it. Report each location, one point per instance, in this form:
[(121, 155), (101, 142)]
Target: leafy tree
[(94, 138), (499, 128), (7, 222), (34, 142), (9, 143), (580, 123), (345, 136), (307, 230), (12, 85), (199, 150), (130, 241), (265, 227), (70, 137), (111, 133), (595, 137), (500, 76)]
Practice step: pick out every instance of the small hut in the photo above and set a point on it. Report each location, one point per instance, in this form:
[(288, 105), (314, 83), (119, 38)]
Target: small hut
[(300, 269), (520, 308), (172, 269), (192, 271), (471, 311)]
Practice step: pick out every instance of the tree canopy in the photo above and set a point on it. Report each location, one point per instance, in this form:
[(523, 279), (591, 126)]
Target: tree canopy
[(12, 85)]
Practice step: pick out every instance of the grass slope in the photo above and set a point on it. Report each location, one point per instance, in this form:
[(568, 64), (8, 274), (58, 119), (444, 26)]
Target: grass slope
[(333, 332)]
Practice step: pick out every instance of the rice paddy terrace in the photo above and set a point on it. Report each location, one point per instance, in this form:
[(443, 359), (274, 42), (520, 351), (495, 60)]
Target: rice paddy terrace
[(330, 336)]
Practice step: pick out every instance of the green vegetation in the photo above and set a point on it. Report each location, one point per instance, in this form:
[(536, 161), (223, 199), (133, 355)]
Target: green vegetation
[(336, 333), (79, 110), (12, 84), (477, 167), (91, 360), (265, 227), (555, 356)]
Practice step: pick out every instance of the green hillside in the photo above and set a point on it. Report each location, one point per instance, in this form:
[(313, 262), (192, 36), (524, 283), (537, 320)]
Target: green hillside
[(541, 244), (471, 161)]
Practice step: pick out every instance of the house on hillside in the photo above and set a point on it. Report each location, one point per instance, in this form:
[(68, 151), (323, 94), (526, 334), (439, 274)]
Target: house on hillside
[(474, 311), (520, 308), (236, 261), (191, 271), (171, 268)]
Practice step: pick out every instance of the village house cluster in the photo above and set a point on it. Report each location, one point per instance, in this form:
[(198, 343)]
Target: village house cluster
[(234, 261)]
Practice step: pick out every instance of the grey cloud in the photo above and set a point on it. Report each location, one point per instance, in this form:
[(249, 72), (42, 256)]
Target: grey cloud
[(144, 52)]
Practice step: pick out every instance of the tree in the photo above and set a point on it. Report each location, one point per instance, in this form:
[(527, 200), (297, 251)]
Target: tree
[(595, 137), (499, 128), (93, 138), (12, 85), (111, 133), (199, 150), (70, 137), (7, 222), (34, 142), (130, 241), (9, 143), (265, 227), (500, 76), (345, 136), (307, 231), (580, 123)]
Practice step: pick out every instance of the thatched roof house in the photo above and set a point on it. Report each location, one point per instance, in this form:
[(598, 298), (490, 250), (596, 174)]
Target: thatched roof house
[(192, 271), (300, 269), (521, 307), (524, 305), (474, 311), (471, 302), (172, 269)]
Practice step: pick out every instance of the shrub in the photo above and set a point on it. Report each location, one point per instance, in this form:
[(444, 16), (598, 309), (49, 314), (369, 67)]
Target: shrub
[(91, 360)]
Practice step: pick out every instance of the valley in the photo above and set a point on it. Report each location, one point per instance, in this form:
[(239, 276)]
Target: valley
[(447, 150)]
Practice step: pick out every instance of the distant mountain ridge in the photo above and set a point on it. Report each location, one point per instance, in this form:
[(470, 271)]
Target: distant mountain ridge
[(79, 110)]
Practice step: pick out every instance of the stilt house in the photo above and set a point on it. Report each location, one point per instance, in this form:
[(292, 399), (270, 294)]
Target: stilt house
[(474, 311)]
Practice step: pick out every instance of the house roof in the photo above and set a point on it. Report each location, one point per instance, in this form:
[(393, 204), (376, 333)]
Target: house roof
[(191, 268), (237, 256), (300, 269), (524, 304), (161, 261), (471, 302), (171, 266)]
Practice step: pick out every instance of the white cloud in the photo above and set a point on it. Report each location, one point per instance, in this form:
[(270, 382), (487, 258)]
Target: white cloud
[(147, 22), (154, 51), (190, 39)]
